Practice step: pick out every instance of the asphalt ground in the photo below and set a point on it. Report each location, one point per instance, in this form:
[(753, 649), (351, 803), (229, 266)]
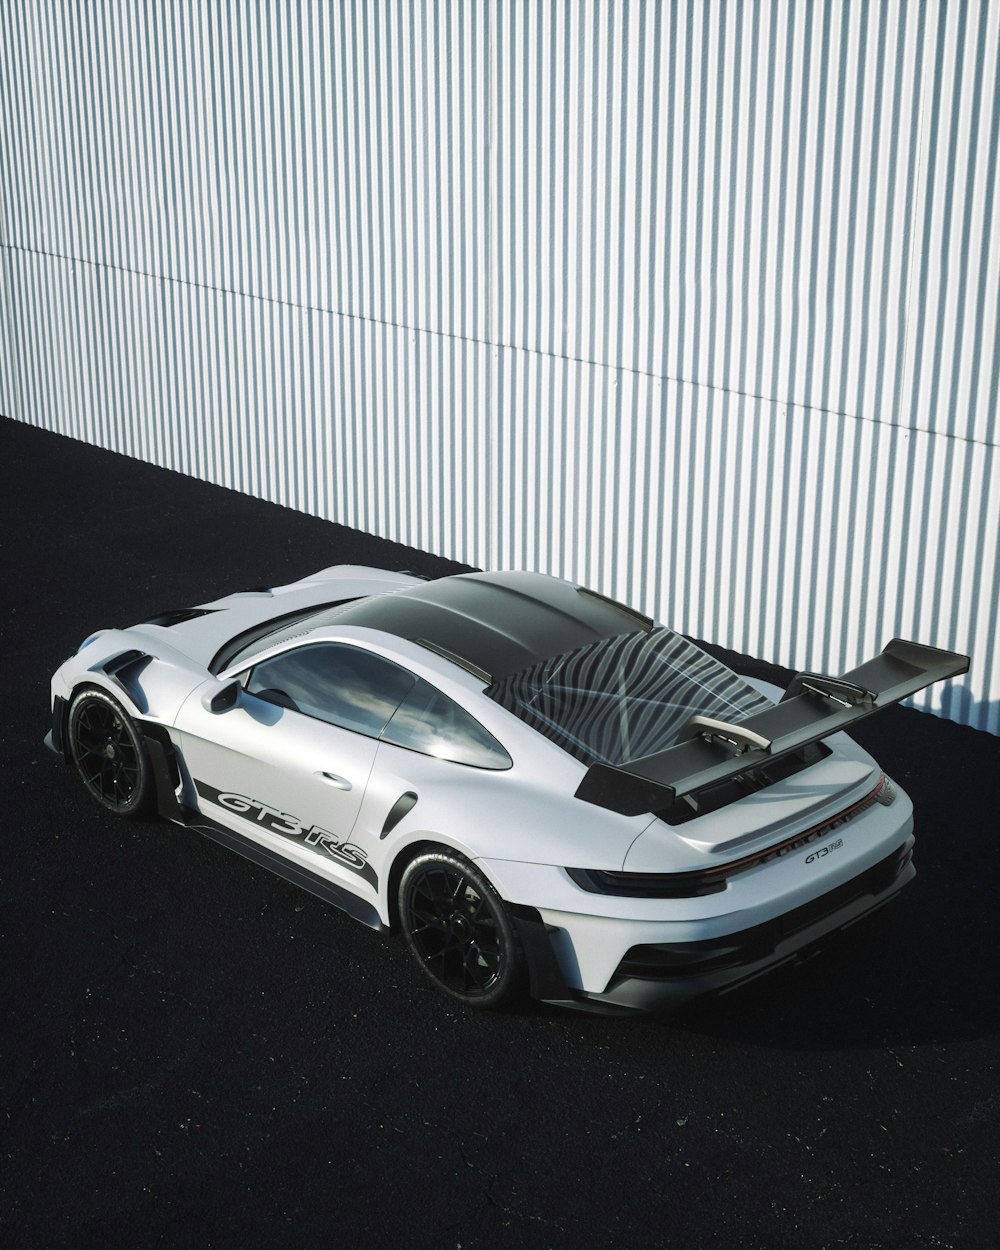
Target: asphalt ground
[(195, 1052)]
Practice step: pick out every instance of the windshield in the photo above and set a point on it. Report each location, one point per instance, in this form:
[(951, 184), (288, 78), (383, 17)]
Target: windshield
[(622, 698)]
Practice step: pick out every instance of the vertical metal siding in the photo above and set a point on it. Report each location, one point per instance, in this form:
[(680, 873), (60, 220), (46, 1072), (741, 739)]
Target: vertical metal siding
[(695, 302)]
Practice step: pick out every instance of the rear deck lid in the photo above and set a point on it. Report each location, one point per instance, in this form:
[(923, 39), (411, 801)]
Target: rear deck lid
[(784, 809)]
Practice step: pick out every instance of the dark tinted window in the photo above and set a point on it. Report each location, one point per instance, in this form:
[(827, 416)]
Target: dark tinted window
[(429, 722), (342, 685)]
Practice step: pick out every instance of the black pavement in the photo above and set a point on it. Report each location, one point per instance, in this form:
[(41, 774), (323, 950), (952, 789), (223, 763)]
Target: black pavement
[(195, 1053)]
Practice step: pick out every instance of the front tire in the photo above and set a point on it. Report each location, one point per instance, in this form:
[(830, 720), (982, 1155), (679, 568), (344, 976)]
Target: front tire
[(109, 754), (459, 931)]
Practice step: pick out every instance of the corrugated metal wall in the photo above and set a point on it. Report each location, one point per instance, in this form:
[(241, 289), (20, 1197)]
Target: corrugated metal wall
[(696, 302)]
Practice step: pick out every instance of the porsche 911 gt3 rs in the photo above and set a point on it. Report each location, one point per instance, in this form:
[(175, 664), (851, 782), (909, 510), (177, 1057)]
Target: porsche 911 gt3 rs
[(542, 789)]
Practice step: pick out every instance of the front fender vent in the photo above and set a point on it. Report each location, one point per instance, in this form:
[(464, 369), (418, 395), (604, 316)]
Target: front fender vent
[(124, 669)]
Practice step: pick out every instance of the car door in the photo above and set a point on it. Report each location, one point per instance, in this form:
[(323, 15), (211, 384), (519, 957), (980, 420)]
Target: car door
[(288, 765)]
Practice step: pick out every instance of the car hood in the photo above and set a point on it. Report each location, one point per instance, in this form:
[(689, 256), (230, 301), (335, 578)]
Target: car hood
[(200, 637)]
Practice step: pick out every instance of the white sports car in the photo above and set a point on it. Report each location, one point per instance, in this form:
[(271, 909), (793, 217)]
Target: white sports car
[(541, 788)]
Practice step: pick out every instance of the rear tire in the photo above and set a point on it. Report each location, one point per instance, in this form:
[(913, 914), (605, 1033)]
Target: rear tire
[(459, 931), (109, 754)]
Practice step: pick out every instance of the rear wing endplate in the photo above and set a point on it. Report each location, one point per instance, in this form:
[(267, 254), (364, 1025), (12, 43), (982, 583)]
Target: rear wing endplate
[(709, 751)]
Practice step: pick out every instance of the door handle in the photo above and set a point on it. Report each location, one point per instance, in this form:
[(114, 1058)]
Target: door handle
[(334, 780)]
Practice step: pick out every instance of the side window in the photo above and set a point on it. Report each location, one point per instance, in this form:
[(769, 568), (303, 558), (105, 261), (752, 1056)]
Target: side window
[(428, 722), (341, 685)]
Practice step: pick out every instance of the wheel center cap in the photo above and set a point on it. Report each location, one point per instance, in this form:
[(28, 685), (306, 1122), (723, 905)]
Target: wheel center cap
[(111, 751), (459, 926)]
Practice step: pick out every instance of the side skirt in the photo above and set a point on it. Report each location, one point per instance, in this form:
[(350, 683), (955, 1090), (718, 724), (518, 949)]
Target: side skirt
[(328, 891)]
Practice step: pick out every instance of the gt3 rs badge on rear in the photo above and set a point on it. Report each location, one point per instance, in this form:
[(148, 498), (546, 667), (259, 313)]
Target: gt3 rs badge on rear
[(824, 850), (276, 821)]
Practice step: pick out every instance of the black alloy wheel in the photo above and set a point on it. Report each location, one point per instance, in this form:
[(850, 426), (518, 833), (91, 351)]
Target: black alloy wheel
[(109, 754), (459, 932)]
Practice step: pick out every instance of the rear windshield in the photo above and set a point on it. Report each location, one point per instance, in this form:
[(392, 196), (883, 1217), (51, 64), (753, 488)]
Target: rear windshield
[(619, 699)]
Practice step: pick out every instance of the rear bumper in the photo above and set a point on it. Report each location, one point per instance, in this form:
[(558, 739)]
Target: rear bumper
[(657, 977)]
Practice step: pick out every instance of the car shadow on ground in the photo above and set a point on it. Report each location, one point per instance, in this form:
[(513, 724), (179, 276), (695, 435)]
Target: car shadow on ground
[(894, 980)]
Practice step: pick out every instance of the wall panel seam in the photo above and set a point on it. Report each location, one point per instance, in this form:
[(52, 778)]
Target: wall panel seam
[(616, 369)]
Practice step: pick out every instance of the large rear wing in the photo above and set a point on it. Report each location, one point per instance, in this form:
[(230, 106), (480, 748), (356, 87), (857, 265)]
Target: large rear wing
[(708, 751)]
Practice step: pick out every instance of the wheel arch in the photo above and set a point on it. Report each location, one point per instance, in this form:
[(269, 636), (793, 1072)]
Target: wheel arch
[(545, 976), (398, 866), (409, 852), (97, 681), (139, 799)]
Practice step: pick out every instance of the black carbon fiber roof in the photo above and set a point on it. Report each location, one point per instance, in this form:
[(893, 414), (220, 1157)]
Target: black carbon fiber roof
[(496, 623)]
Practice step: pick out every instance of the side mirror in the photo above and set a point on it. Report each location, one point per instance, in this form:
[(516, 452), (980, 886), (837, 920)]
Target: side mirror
[(221, 697)]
